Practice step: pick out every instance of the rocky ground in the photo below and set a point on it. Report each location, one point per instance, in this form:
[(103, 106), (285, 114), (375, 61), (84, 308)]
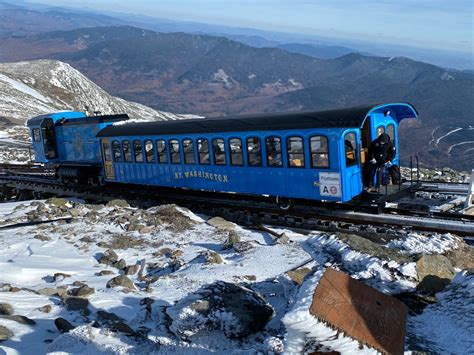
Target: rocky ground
[(88, 278)]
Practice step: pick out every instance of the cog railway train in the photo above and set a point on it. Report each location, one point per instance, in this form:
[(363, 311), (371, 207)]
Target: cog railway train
[(310, 155)]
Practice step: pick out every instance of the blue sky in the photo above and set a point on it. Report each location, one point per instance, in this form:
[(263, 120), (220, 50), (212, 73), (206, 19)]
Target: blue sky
[(440, 24)]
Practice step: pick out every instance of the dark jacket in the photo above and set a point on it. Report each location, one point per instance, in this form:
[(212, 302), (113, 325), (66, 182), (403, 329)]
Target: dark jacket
[(382, 149)]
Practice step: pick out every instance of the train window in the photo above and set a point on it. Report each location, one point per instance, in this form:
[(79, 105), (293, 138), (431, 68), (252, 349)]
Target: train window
[(138, 151), (127, 153), (174, 151), (273, 145), (203, 151), (254, 151), (319, 152), (380, 130), (107, 151), (235, 146), (391, 132), (117, 153), (149, 152), (188, 151), (36, 135), (295, 148), (350, 147), (218, 150), (161, 149)]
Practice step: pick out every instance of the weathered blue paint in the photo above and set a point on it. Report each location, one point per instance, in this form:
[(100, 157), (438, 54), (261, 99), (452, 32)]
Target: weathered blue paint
[(265, 180)]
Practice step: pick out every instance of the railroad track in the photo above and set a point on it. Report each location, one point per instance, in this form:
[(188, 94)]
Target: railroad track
[(251, 210)]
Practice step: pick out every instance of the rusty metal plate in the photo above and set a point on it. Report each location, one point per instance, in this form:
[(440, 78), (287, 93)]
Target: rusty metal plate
[(360, 311)]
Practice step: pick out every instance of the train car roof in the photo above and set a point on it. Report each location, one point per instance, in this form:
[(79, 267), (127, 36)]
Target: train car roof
[(75, 117), (341, 118)]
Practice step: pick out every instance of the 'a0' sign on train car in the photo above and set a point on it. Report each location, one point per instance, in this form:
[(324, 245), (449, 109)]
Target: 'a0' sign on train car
[(330, 184)]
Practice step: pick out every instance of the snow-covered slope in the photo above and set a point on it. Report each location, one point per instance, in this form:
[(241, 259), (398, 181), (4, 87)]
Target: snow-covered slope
[(36, 87)]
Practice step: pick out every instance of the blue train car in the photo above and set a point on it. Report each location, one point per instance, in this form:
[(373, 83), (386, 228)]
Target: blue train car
[(311, 155), (68, 140)]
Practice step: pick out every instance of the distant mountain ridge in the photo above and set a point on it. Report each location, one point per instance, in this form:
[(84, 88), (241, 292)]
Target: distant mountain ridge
[(210, 75), (33, 88)]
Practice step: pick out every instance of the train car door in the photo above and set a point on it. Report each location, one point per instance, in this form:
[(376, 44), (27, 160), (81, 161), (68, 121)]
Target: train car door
[(49, 139), (107, 159), (352, 177)]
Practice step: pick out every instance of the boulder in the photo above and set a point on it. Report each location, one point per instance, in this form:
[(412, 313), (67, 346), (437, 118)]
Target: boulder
[(131, 270), (242, 247), (104, 273), (82, 291), (299, 275), (221, 223), (108, 317), (121, 264), (19, 319), (46, 308), (5, 333), (109, 257), (76, 303), (122, 281), (232, 309), (118, 203), (42, 237), (57, 201), (434, 272), (213, 258), (63, 325), (231, 240), (6, 309)]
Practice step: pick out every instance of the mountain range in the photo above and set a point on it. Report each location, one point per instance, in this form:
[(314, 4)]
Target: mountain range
[(33, 88), (208, 75)]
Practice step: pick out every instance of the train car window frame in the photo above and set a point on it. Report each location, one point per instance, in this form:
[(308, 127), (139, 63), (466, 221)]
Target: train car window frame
[(353, 149), (391, 127), (290, 154), (138, 154), (187, 155), (107, 151), (382, 128), (127, 151), (257, 153), (173, 152), (36, 133), (319, 152), (272, 160), (221, 154), (161, 151), (203, 153), (236, 154), (116, 151), (149, 153)]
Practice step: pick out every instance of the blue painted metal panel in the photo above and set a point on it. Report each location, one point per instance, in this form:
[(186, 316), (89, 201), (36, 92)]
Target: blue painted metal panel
[(276, 181)]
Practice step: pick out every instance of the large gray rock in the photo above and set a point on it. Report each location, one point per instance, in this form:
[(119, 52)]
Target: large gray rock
[(19, 319), (63, 325), (122, 281), (221, 223), (82, 291), (110, 257), (232, 309), (5, 333), (118, 203), (435, 272), (6, 309)]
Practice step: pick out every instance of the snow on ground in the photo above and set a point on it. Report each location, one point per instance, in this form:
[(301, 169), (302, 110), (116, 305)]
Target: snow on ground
[(183, 254)]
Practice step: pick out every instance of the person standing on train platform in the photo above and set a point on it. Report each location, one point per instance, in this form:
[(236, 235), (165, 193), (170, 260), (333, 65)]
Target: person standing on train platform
[(381, 152)]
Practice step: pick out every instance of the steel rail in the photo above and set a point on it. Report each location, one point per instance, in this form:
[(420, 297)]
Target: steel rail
[(254, 210)]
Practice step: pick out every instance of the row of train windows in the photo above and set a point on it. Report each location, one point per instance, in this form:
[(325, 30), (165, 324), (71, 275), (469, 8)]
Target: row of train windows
[(217, 149)]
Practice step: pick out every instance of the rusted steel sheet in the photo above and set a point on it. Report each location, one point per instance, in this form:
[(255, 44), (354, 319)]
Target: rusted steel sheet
[(360, 311)]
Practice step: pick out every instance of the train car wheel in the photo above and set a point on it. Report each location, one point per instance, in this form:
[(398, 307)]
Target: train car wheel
[(284, 203)]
